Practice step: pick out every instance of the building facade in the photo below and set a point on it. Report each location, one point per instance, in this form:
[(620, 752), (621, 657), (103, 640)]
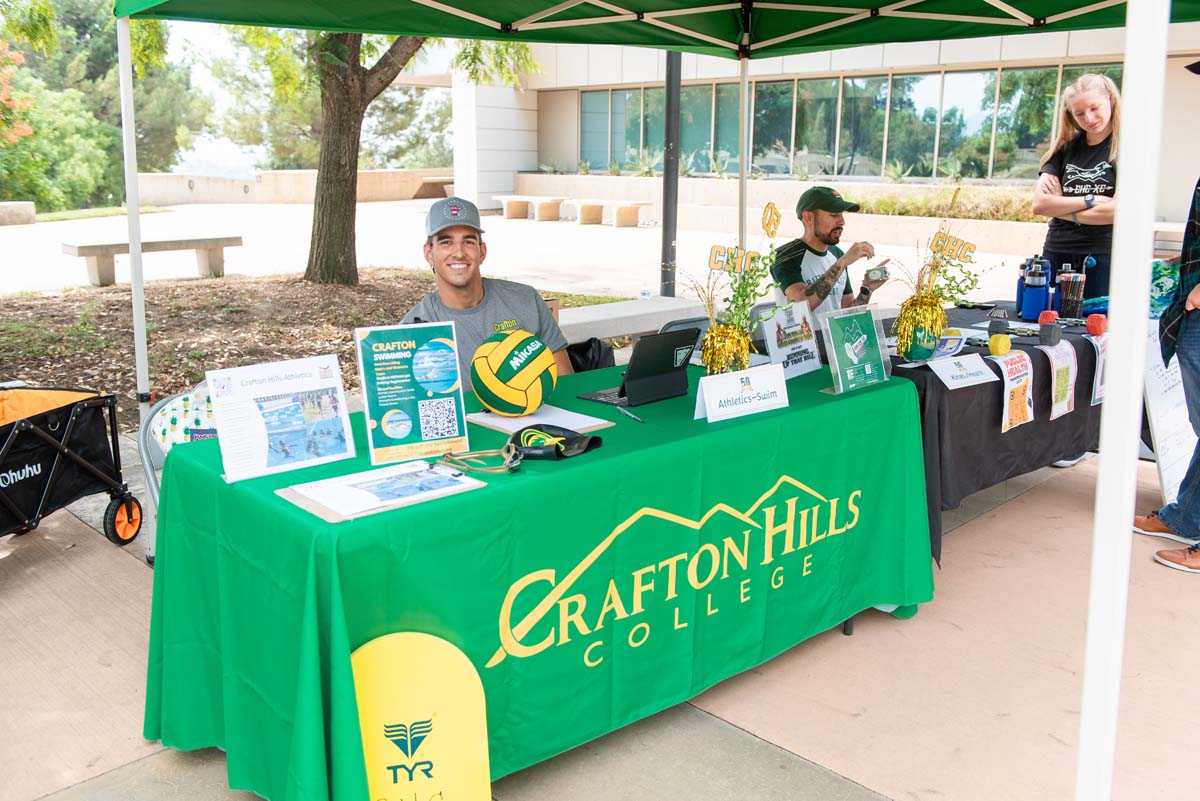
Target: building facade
[(976, 109)]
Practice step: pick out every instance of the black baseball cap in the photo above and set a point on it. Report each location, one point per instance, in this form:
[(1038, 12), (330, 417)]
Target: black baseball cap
[(823, 198), (1194, 68)]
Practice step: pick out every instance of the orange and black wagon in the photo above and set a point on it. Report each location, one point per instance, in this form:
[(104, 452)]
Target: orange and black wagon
[(57, 446)]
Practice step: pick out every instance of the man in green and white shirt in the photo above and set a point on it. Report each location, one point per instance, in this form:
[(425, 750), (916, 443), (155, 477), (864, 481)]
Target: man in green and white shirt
[(813, 268)]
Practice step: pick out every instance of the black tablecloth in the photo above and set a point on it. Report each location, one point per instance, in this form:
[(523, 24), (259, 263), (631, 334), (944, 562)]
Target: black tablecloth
[(964, 449)]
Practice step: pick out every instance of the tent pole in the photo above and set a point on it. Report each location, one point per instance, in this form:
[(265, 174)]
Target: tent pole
[(132, 212), (1145, 66), (743, 147), (670, 219)]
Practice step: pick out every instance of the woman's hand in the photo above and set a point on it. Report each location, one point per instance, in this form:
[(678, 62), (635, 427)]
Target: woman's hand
[(1048, 185)]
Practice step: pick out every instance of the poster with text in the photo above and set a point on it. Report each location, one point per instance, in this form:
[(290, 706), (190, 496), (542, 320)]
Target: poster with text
[(1017, 371), (791, 340), (1063, 370), (281, 416), (412, 391), (854, 343)]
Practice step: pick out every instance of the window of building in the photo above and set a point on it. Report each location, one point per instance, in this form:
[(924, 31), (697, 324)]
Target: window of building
[(864, 107), (1073, 71), (695, 127), (772, 151), (725, 148), (626, 118), (912, 124), (653, 129), (816, 127), (968, 100), (593, 129), (1025, 121)]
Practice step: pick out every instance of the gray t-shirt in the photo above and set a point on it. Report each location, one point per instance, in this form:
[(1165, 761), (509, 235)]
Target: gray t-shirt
[(506, 306)]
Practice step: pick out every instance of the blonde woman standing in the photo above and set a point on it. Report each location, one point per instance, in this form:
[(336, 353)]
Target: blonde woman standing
[(1077, 182)]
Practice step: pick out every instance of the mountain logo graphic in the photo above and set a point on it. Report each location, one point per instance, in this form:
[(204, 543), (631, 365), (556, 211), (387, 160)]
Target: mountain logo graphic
[(408, 738)]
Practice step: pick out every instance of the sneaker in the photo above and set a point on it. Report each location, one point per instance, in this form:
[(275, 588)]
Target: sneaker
[(1181, 559), (1152, 525), (1070, 461)]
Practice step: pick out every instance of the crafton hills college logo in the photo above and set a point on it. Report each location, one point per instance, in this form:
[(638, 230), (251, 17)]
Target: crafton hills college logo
[(785, 527)]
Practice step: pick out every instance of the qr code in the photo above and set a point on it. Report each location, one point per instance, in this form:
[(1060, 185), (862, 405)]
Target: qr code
[(438, 419)]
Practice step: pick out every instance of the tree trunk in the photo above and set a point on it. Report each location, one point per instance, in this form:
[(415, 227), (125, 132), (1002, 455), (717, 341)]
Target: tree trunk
[(331, 253), (347, 88)]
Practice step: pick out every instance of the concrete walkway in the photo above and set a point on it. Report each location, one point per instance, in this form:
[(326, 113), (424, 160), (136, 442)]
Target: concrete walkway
[(976, 698), (558, 256)]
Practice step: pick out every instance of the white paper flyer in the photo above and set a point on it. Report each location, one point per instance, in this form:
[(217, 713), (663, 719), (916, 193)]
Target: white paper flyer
[(791, 340), (1063, 369), (386, 488), (1017, 371), (1100, 343), (281, 416)]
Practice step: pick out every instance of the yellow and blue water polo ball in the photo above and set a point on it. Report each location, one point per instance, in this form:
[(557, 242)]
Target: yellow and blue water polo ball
[(513, 373)]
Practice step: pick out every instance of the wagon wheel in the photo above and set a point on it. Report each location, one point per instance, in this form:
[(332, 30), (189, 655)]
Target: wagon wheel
[(122, 520)]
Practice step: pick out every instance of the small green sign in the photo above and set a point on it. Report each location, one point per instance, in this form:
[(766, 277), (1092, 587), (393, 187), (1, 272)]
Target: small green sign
[(854, 344), (412, 391)]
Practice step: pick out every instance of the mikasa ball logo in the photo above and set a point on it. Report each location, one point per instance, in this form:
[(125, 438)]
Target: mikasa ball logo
[(10, 477)]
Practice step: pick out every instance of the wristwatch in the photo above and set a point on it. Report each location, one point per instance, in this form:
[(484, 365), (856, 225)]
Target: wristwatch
[(1090, 200), (864, 290)]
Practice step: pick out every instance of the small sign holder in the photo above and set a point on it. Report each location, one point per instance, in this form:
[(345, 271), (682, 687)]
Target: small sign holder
[(725, 396), (856, 348)]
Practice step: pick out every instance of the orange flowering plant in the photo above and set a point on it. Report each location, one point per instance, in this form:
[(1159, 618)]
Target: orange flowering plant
[(12, 105)]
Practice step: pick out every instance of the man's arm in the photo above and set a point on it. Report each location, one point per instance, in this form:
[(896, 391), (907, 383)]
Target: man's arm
[(563, 362), (817, 291)]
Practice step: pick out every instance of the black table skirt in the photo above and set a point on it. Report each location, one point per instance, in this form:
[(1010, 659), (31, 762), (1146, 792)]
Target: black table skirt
[(964, 449)]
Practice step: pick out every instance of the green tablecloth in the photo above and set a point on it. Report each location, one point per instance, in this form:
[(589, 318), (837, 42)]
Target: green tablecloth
[(658, 546)]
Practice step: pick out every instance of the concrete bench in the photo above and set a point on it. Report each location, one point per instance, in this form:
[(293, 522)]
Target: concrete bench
[(625, 318), (625, 212), (434, 187), (517, 206), (210, 254), (17, 212)]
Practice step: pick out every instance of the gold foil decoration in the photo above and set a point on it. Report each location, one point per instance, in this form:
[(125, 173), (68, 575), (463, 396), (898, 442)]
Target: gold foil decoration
[(725, 348), (923, 310)]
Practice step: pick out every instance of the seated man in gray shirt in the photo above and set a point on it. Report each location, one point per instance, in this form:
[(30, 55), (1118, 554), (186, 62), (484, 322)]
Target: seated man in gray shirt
[(479, 307)]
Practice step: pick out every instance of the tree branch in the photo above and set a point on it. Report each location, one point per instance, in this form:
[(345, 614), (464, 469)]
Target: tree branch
[(380, 76)]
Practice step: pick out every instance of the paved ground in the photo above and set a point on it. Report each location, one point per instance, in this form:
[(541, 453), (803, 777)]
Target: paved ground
[(974, 699), (560, 256)]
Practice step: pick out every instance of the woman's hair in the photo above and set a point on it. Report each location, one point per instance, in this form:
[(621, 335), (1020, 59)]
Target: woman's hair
[(1068, 129)]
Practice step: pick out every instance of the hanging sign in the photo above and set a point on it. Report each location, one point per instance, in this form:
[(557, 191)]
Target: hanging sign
[(1063, 369), (1017, 371)]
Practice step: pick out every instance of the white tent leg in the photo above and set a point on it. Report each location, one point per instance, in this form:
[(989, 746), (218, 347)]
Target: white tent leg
[(132, 209), (1145, 65), (743, 147)]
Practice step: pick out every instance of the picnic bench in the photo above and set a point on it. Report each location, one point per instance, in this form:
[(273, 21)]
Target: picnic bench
[(624, 212), (517, 206), (210, 254), (625, 317)]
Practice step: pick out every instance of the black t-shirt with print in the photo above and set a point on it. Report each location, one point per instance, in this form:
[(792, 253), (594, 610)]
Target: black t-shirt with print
[(1082, 169)]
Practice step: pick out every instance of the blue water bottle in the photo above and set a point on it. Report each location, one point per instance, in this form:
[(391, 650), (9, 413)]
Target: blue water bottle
[(1036, 295), (1021, 281)]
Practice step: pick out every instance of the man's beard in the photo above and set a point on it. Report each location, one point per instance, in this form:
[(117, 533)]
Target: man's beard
[(830, 237)]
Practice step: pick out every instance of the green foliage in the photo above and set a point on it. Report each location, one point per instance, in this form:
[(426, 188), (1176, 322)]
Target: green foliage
[(80, 77), (548, 168), (720, 163), (747, 287), (614, 168), (647, 163), (64, 162), (974, 203), (498, 63), (30, 22), (896, 171), (584, 167), (408, 126)]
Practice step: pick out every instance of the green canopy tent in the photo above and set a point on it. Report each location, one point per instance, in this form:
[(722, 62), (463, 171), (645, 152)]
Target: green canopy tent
[(752, 29)]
